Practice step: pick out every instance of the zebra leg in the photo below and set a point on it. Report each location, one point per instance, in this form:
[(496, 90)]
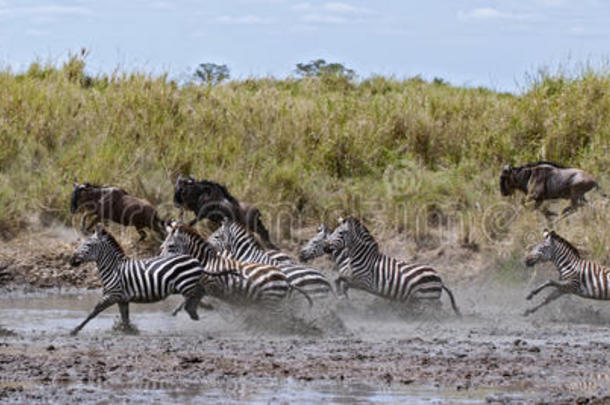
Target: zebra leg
[(552, 297), (105, 303), (191, 302), (562, 285), (178, 308), (124, 308), (341, 285)]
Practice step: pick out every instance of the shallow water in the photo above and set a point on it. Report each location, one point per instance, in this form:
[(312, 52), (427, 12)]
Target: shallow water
[(43, 319)]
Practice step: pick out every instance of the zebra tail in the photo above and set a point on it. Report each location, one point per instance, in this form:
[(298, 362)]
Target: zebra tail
[(309, 300), (450, 294)]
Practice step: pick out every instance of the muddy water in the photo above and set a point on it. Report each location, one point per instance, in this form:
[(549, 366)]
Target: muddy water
[(377, 355)]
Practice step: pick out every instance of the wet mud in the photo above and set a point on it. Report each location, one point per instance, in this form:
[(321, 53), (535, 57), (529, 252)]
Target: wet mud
[(360, 350)]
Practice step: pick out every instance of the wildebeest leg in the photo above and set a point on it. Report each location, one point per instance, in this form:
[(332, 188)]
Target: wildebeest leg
[(552, 297), (264, 233), (106, 302), (83, 222), (545, 210)]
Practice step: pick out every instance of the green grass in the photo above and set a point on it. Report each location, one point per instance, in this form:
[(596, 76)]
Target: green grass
[(413, 156)]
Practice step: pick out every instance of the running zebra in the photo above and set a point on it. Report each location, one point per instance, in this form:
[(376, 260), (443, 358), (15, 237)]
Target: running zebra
[(577, 276), (128, 280), (315, 248), (372, 271), (235, 242), (259, 283)]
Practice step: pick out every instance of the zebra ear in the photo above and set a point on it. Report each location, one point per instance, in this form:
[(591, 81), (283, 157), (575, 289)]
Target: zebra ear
[(546, 233), (340, 220), (99, 229)]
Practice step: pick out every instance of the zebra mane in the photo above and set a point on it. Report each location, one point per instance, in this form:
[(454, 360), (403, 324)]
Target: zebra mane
[(191, 232), (237, 228), (108, 237), (362, 232), (558, 238)]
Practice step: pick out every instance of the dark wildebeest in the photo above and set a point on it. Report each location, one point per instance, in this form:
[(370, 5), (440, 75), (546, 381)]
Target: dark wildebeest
[(114, 204), (211, 200), (545, 181)]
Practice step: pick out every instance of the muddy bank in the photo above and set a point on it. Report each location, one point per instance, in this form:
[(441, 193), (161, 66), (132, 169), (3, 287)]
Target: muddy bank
[(488, 355), (368, 351)]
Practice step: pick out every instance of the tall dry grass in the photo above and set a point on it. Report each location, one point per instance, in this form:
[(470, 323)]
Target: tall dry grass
[(411, 156)]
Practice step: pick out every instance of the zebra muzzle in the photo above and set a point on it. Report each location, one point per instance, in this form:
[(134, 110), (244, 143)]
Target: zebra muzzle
[(75, 261)]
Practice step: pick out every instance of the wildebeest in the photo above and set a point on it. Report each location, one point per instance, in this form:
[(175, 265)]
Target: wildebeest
[(213, 201), (114, 204), (545, 181)]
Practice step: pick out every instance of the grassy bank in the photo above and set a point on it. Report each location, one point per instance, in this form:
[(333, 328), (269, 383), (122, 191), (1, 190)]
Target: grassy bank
[(410, 156)]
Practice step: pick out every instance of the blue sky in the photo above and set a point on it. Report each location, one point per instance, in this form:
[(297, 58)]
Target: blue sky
[(488, 43)]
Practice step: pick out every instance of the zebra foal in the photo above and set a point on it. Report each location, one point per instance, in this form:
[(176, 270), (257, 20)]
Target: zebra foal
[(577, 276), (128, 280), (372, 271), (235, 242)]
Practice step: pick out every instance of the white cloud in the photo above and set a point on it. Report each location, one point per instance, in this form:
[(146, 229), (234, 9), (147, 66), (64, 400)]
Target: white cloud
[(302, 6), (54, 10), (36, 33), (336, 7), (324, 19), (162, 5), (488, 13), (552, 3), (330, 13), (244, 19)]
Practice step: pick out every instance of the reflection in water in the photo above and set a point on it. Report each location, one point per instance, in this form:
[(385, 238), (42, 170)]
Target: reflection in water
[(287, 391)]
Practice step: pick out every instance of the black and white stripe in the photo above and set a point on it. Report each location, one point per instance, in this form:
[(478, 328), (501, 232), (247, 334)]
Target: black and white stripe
[(372, 271), (234, 241), (128, 280), (259, 283), (577, 276), (315, 248)]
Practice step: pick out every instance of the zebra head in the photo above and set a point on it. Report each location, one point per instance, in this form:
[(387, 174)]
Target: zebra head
[(176, 242), (552, 247), (314, 246), (92, 247), (223, 238), (350, 234), (543, 251)]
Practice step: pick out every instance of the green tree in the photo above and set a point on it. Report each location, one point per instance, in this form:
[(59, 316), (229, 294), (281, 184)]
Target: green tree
[(320, 67), (211, 73)]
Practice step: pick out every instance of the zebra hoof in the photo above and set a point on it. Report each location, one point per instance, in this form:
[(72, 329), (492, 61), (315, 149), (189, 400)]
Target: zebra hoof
[(526, 313), (73, 332), (194, 316)]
